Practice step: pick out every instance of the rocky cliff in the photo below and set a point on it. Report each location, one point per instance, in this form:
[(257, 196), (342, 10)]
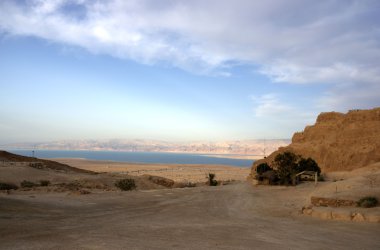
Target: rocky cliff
[(338, 141)]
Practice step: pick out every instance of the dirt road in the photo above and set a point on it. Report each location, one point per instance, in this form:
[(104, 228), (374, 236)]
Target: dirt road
[(227, 217)]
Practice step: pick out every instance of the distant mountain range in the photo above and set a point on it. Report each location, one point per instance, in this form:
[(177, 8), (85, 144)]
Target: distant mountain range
[(243, 147)]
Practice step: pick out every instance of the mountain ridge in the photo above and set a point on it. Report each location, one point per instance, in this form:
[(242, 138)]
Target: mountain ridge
[(243, 147)]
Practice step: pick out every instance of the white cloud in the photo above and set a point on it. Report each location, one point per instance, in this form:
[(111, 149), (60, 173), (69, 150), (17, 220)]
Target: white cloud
[(269, 105), (272, 113), (344, 97), (330, 42)]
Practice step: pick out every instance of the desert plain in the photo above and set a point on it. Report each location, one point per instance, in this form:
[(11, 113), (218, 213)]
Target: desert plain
[(236, 215)]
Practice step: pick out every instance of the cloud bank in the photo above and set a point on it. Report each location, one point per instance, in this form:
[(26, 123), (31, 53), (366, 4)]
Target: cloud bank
[(336, 43)]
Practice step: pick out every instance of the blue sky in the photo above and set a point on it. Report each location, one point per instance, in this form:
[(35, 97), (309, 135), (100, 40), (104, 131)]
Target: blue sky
[(182, 70)]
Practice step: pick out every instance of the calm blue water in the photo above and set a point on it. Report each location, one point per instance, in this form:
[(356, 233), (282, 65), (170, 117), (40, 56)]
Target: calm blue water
[(138, 157)]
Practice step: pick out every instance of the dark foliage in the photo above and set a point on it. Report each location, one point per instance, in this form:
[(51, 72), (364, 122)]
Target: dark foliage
[(126, 184), (368, 202), (7, 186), (211, 180), (308, 165), (262, 168), (28, 184), (286, 165), (44, 183)]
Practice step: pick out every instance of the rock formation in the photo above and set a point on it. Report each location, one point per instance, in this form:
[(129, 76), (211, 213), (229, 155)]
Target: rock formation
[(338, 141)]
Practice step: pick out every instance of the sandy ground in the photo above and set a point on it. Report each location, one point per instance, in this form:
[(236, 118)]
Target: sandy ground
[(351, 185), (176, 172), (236, 216)]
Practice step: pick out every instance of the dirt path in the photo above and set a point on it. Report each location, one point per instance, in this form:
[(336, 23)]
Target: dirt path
[(227, 217)]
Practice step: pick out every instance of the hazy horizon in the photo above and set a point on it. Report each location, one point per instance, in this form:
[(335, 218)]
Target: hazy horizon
[(182, 70), (143, 139)]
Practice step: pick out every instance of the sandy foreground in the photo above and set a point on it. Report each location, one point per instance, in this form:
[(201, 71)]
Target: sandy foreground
[(233, 216), (176, 172)]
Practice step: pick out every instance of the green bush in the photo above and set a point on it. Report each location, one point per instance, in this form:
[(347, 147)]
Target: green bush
[(211, 180), (367, 202), (28, 184), (288, 164), (126, 184), (44, 183), (7, 186)]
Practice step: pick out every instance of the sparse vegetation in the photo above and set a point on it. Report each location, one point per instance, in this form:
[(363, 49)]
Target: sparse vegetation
[(211, 180), (7, 186), (367, 202), (28, 184), (184, 184), (44, 183), (126, 184), (37, 165)]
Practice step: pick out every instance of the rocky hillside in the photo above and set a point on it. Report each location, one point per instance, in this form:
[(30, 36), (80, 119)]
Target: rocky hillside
[(338, 141)]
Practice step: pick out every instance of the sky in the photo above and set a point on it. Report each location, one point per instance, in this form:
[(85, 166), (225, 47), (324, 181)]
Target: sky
[(181, 70)]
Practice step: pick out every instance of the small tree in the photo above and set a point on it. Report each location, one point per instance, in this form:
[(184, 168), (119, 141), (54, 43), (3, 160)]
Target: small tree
[(286, 165), (211, 180)]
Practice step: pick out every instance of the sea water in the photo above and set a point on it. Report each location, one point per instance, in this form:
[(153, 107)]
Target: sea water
[(137, 157)]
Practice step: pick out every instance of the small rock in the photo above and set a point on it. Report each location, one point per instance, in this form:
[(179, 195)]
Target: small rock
[(308, 211), (358, 217)]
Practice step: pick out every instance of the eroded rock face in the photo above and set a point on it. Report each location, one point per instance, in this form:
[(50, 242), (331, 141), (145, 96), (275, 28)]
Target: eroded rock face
[(338, 141)]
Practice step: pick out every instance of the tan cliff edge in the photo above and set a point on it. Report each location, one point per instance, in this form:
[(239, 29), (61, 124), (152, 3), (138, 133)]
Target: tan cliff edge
[(337, 141)]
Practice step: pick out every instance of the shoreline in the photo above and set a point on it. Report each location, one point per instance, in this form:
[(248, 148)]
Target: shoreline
[(236, 156)]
